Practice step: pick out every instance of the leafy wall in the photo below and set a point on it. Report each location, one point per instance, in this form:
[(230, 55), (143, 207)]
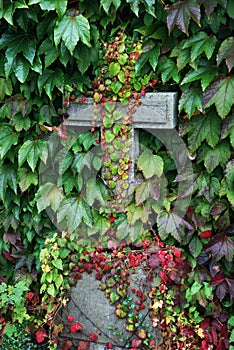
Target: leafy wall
[(48, 46)]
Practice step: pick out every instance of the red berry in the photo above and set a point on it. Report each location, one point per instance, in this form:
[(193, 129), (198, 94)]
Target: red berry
[(109, 345), (111, 219)]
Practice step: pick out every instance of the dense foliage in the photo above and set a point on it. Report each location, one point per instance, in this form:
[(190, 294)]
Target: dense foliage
[(50, 53)]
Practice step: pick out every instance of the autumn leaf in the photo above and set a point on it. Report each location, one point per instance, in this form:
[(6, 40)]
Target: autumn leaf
[(181, 13), (220, 93), (226, 52), (221, 246)]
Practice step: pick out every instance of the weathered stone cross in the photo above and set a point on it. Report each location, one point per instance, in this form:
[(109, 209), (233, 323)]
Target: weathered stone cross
[(156, 111)]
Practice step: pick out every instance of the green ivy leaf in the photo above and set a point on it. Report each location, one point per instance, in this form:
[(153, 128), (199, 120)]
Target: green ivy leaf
[(191, 100), (32, 151), (154, 55), (21, 69), (50, 52), (195, 246), (71, 30), (26, 178), (58, 263), (229, 174), (205, 73), (182, 55), (142, 192), (140, 212), (8, 177), (226, 51), (181, 13), (59, 5), (217, 156), (107, 3), (72, 212), (221, 93), (49, 195), (200, 43), (49, 79), (5, 88), (150, 164), (8, 138), (16, 43), (85, 56), (168, 69), (201, 128), (134, 4)]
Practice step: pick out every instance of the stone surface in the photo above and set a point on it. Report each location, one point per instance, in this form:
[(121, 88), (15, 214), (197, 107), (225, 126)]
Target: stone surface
[(157, 111), (89, 306)]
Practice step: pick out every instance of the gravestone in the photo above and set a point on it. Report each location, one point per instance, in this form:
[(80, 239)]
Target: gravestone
[(89, 306), (87, 303)]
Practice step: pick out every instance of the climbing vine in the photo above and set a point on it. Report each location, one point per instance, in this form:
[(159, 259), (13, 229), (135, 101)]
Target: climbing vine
[(55, 53)]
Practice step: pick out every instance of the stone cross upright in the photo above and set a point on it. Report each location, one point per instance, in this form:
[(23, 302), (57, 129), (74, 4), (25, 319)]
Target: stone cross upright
[(156, 111)]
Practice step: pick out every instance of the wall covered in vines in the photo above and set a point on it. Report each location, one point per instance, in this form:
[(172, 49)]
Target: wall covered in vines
[(51, 54)]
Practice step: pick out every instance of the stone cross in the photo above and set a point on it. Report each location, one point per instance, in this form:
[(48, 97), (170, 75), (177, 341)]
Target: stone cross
[(156, 111)]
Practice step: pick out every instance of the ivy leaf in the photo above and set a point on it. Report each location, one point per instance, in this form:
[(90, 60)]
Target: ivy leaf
[(221, 93), (190, 101), (140, 212), (48, 195), (107, 3), (195, 246), (226, 51), (211, 4), (59, 5), (32, 151), (8, 138), (150, 7), (134, 4), (150, 164), (205, 73), (85, 56), (21, 69), (72, 212), (50, 52), (221, 246), (201, 128), (219, 155), (5, 88), (142, 192), (168, 69), (154, 55), (229, 174), (181, 13), (200, 43), (26, 178), (169, 223), (16, 43), (71, 30), (49, 79), (182, 55), (7, 178)]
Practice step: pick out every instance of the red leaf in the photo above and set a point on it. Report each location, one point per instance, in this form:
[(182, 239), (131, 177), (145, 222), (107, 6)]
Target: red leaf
[(67, 344), (83, 345), (154, 261), (75, 327), (40, 336), (221, 345), (205, 234), (70, 318), (93, 336)]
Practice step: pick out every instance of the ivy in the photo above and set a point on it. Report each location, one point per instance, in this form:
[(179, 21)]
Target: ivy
[(51, 54)]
